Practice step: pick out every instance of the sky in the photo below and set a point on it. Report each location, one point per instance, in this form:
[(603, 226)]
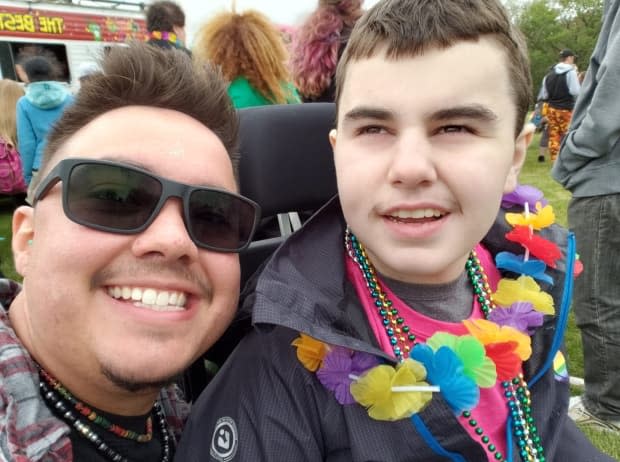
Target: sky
[(290, 12)]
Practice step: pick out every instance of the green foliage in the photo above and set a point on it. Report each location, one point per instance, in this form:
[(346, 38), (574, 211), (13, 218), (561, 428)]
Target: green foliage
[(551, 25)]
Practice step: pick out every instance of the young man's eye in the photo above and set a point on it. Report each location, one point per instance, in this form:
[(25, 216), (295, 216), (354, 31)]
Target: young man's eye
[(371, 130), (454, 129)]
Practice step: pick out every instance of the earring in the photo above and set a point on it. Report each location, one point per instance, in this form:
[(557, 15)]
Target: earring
[(29, 241)]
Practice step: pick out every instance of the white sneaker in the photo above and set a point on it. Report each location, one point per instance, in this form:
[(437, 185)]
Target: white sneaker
[(578, 412)]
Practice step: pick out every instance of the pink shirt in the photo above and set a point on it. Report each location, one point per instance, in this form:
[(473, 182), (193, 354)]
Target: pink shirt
[(492, 410)]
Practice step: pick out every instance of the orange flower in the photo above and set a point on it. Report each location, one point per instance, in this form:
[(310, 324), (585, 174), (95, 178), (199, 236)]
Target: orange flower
[(310, 351), (488, 333)]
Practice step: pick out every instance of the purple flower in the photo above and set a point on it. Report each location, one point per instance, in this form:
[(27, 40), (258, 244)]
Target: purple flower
[(338, 364), (522, 194), (519, 315)]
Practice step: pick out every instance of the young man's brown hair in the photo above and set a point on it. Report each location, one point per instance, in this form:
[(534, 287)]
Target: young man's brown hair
[(439, 24), (142, 75)]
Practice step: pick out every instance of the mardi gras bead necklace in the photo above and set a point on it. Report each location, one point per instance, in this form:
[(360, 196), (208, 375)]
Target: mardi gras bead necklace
[(62, 400), (403, 339)]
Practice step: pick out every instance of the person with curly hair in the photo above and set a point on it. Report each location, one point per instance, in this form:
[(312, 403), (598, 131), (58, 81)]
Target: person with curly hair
[(250, 52), (318, 46)]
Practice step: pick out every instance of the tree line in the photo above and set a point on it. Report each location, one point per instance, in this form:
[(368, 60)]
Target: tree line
[(552, 25)]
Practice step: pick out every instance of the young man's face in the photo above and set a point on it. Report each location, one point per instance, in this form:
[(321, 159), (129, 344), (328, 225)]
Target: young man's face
[(75, 324), (424, 150)]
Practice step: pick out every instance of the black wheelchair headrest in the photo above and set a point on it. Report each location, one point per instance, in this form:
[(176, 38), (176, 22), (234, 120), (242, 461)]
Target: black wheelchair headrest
[(286, 159)]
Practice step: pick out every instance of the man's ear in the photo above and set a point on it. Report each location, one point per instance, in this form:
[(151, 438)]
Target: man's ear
[(23, 237), (333, 134), (518, 158)]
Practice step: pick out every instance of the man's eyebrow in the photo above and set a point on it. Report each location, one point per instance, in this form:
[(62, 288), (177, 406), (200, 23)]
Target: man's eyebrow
[(368, 112), (473, 111)]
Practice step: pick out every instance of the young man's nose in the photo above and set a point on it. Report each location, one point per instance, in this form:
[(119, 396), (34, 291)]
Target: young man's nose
[(167, 235), (412, 160)]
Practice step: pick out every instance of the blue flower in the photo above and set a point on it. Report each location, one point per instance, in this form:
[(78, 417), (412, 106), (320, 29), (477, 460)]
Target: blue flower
[(445, 369), (515, 263)]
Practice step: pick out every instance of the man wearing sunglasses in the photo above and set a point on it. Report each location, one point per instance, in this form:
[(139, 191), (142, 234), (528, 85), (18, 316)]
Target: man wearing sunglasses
[(129, 258)]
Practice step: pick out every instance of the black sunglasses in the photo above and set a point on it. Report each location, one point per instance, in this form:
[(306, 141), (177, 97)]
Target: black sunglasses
[(118, 198)]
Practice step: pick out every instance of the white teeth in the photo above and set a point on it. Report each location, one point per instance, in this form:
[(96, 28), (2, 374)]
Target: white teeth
[(150, 298), (417, 213), (162, 299)]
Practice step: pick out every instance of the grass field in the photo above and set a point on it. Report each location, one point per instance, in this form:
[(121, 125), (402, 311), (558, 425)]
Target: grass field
[(534, 173)]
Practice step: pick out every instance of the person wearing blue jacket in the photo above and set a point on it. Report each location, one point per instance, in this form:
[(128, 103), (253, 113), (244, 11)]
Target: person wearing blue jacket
[(43, 103)]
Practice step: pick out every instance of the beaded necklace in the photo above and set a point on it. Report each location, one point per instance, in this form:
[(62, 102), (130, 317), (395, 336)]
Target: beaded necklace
[(403, 339), (59, 398)]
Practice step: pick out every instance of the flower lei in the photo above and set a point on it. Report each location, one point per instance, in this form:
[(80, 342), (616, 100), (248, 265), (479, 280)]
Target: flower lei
[(457, 366)]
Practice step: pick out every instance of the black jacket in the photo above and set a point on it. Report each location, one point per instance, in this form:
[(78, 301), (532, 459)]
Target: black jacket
[(265, 406)]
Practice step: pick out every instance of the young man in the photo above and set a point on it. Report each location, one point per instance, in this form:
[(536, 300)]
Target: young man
[(370, 338), (560, 88), (165, 23), (129, 263)]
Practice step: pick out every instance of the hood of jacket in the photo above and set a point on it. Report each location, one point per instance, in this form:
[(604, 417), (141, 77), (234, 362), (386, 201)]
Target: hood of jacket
[(563, 68), (46, 95), (304, 286)]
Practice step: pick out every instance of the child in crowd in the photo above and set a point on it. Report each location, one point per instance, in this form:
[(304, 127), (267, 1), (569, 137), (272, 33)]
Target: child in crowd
[(412, 318)]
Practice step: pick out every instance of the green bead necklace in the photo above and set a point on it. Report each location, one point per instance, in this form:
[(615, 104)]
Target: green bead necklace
[(402, 339)]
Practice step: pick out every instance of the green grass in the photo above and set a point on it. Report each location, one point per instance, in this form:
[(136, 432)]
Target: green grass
[(534, 173)]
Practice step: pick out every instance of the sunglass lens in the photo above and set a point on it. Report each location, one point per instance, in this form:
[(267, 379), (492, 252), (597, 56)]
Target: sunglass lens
[(111, 196), (220, 220)]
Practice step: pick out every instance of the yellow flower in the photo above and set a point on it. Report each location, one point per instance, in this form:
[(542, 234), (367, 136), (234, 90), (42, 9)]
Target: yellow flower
[(374, 390), (543, 217), (310, 352), (488, 332), (524, 289)]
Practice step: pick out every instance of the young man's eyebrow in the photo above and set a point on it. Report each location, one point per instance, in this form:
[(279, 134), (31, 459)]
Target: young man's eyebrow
[(367, 112), (474, 111)]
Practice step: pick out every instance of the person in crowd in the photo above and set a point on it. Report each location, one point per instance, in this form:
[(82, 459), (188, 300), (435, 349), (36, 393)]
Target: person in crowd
[(559, 89), (11, 172), (129, 259), (165, 23), (589, 167), (44, 102), (411, 318), (318, 46), (249, 50)]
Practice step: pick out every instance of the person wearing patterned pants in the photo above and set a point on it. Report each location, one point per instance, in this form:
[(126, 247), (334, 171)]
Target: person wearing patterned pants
[(558, 122)]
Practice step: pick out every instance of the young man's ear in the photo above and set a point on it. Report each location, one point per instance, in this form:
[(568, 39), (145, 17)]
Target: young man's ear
[(333, 133), (23, 237), (520, 152)]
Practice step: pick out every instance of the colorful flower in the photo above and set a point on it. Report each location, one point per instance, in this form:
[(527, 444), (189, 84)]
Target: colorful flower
[(338, 366), (542, 218), (520, 315), (521, 195), (374, 390), (523, 289), (310, 351), (517, 264), (476, 365), (445, 369), (541, 248), (506, 359), (488, 332)]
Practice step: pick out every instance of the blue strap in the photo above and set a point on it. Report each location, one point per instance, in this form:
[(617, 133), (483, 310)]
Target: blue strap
[(432, 442), (509, 424), (564, 310)]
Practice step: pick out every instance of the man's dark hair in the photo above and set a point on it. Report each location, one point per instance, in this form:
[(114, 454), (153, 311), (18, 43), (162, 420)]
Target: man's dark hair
[(163, 16), (40, 68), (142, 75)]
